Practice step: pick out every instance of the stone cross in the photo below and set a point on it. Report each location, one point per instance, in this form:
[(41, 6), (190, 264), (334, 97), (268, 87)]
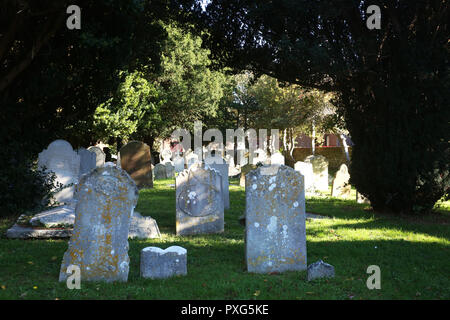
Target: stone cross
[(275, 236), (99, 243), (199, 201)]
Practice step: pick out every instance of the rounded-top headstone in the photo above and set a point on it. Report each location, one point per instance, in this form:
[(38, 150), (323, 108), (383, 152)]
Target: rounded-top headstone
[(135, 159)]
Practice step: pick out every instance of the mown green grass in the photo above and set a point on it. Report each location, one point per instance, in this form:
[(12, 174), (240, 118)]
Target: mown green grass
[(412, 253)]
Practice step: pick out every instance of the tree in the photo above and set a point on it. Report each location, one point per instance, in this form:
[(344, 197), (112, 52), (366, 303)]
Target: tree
[(392, 84), (150, 105)]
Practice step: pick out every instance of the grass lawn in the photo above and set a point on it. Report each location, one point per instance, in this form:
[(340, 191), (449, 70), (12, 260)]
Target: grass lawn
[(413, 254)]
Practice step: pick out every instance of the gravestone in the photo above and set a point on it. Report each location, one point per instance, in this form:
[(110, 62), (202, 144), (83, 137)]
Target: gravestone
[(222, 168), (99, 243), (199, 202), (100, 156), (60, 158), (160, 171), (135, 159), (244, 170), (88, 160), (178, 163), (260, 157), (277, 158), (166, 154), (320, 171), (157, 263), (341, 186), (170, 170), (191, 158), (306, 169), (275, 236)]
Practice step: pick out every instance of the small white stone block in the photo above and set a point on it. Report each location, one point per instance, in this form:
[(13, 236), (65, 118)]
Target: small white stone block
[(157, 263)]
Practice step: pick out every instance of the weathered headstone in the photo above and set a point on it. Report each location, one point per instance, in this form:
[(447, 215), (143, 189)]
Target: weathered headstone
[(244, 170), (170, 170), (160, 171), (178, 163), (135, 159), (60, 158), (199, 202), (100, 156), (191, 158), (165, 156), (341, 186), (88, 160), (320, 171), (277, 158), (260, 157), (275, 238), (99, 243), (222, 168), (306, 169), (319, 270), (157, 263)]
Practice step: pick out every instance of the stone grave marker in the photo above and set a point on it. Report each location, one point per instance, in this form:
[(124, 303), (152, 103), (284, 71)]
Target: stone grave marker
[(88, 160), (306, 169), (99, 243), (61, 159), (157, 263), (100, 156), (341, 186), (199, 201), (222, 168), (320, 171), (135, 159), (160, 171), (277, 158), (275, 236)]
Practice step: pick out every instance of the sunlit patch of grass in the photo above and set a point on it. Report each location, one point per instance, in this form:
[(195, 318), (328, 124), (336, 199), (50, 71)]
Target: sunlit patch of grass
[(413, 256)]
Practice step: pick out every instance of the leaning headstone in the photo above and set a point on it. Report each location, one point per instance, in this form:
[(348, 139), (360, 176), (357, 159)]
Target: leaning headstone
[(61, 159), (341, 186), (143, 227), (275, 236), (277, 158), (320, 171), (199, 202), (178, 163), (135, 159), (157, 263), (160, 171), (244, 170), (100, 156), (320, 269), (306, 169), (222, 168), (99, 243), (88, 160)]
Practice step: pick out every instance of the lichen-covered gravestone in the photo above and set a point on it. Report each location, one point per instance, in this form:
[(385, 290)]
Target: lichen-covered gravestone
[(135, 159), (219, 164), (320, 171), (306, 169), (275, 236), (61, 159), (157, 263), (199, 202), (160, 171), (100, 156), (99, 242), (341, 186), (88, 160)]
